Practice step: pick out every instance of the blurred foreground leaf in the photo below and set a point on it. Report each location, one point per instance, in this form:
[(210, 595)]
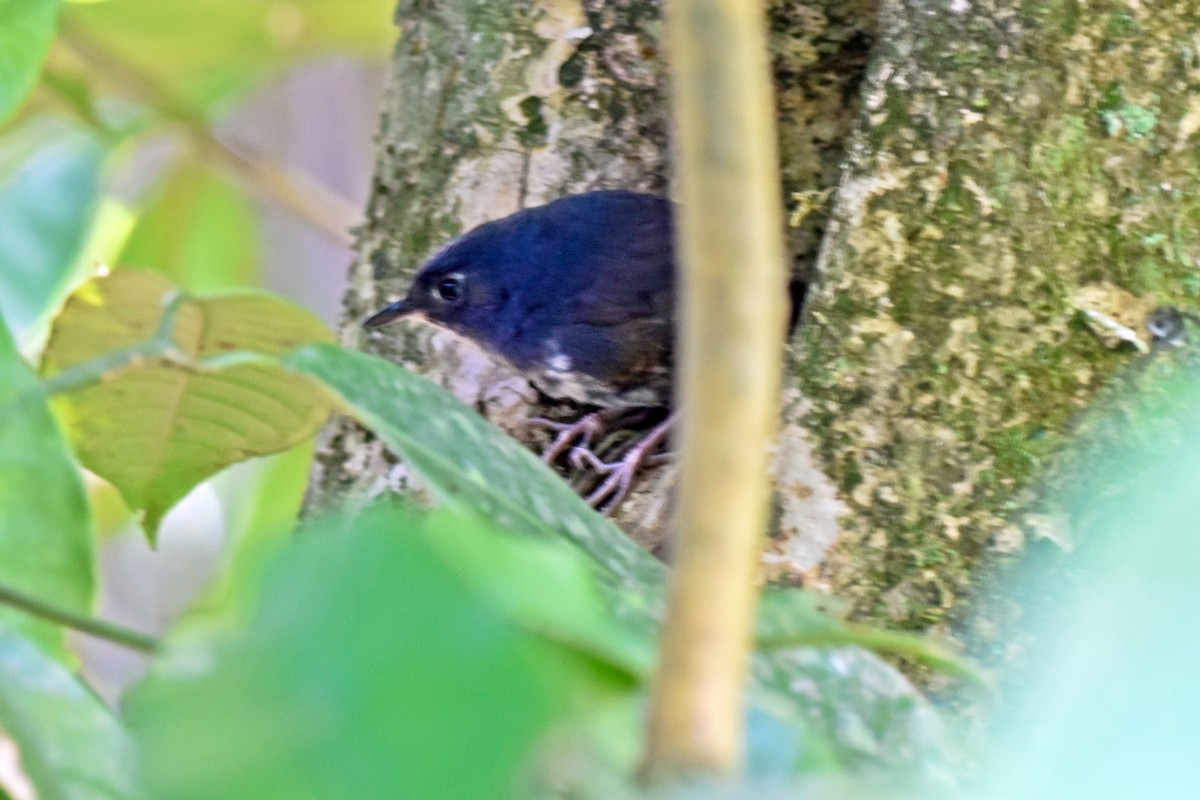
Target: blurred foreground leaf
[(48, 191), (831, 708), (1107, 705), (26, 29), (155, 429), (45, 531), (200, 231), (71, 746), (368, 669), (261, 499), (544, 587), (204, 51)]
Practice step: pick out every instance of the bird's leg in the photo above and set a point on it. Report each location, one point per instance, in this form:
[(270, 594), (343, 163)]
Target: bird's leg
[(619, 474), (579, 433)]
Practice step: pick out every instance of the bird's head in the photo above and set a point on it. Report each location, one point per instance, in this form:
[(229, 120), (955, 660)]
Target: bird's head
[(460, 287)]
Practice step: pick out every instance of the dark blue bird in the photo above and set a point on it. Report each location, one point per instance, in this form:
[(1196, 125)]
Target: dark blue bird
[(578, 295)]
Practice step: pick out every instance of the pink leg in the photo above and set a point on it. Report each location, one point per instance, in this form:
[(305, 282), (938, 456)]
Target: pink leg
[(619, 474), (579, 433)]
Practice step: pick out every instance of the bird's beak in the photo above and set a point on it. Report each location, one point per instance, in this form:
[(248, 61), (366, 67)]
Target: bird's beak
[(400, 308)]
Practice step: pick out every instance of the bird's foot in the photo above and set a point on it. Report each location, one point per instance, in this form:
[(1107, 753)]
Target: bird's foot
[(618, 475), (580, 433)]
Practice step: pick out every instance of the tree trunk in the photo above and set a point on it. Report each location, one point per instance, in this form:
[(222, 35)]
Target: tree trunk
[(493, 107), (1009, 168), (1014, 169)]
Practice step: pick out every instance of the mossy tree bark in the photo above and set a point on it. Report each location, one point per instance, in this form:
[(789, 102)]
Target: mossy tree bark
[(1010, 166), (1016, 167)]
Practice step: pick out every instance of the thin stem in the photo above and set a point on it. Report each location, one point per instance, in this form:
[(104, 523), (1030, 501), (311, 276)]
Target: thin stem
[(308, 199), (905, 645), (80, 622), (160, 346), (160, 349), (731, 321)]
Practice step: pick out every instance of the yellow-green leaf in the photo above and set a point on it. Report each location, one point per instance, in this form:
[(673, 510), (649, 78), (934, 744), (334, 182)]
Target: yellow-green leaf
[(203, 51), (156, 428)]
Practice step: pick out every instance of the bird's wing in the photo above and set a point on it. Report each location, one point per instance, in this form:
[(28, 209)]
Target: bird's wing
[(629, 274), (597, 272)]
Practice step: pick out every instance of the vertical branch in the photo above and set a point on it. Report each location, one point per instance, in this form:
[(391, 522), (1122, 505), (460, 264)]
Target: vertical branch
[(732, 316)]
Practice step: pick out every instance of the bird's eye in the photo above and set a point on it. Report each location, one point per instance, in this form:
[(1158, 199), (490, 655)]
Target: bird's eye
[(450, 289)]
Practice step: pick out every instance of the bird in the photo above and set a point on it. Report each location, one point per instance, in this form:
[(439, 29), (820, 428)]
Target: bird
[(578, 295)]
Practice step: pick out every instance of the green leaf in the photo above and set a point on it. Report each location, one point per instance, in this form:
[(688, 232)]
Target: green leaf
[(264, 496), (262, 499), (49, 185), (45, 532), (71, 746), (851, 706), (73, 90), (564, 604), (200, 231), (204, 51), (470, 463), (367, 670), (26, 30), (156, 429)]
